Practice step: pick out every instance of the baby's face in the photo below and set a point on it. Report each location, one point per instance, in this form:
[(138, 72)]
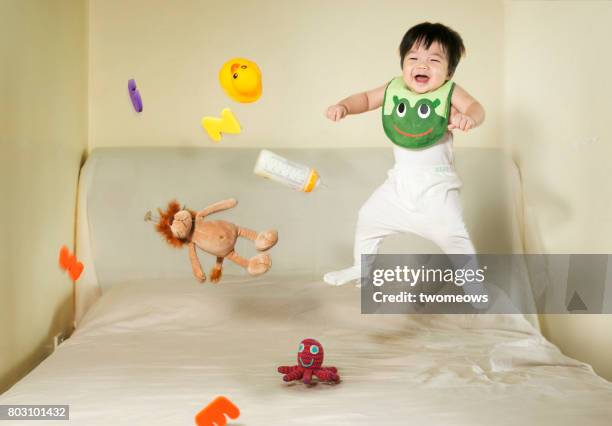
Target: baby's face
[(424, 69)]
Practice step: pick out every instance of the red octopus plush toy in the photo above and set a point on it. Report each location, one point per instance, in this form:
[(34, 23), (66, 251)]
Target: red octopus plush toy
[(310, 362)]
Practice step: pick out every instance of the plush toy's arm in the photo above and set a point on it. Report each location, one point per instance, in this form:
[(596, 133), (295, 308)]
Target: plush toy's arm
[(217, 207), (195, 264)]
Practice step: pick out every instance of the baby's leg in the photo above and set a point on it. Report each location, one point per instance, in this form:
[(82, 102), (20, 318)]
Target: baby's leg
[(449, 232), (373, 224), (343, 276)]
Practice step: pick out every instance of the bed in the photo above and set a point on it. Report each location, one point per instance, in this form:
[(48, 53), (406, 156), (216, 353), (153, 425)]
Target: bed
[(152, 346)]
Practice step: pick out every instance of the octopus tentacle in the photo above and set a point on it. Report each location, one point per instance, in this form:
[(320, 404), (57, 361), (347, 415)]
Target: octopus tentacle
[(295, 374), (307, 375), (326, 375)]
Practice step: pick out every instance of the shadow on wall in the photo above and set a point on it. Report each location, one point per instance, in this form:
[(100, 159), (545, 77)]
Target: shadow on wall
[(63, 315), (487, 199), (541, 201)]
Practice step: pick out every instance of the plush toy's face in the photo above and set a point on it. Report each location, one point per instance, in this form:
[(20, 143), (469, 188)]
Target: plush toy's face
[(310, 354), (181, 225), (416, 126)]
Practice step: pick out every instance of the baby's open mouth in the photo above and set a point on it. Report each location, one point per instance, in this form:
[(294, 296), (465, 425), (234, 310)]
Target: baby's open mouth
[(421, 78)]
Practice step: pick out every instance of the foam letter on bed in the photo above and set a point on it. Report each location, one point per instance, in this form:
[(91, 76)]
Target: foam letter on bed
[(214, 413)]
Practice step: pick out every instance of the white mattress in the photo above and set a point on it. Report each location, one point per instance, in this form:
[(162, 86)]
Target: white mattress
[(156, 352)]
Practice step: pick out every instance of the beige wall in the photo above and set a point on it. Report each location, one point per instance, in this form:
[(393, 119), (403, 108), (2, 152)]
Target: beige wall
[(43, 130), (557, 122), (311, 53)]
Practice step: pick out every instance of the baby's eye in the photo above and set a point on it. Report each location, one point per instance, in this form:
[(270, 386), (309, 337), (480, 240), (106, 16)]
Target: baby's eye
[(401, 109), (424, 111), (435, 60), (412, 58)]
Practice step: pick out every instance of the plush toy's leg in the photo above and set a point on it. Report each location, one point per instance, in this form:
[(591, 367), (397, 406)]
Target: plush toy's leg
[(266, 239), (307, 377), (293, 375), (256, 265), (216, 272), (286, 369), (195, 264), (263, 241), (237, 259), (259, 264), (327, 375), (247, 233)]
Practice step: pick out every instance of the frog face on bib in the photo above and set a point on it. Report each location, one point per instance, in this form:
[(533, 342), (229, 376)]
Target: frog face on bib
[(414, 126)]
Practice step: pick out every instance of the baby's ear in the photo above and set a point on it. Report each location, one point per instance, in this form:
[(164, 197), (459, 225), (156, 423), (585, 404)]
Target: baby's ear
[(436, 103)]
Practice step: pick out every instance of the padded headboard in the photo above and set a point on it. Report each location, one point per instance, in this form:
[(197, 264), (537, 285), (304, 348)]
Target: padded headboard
[(118, 185)]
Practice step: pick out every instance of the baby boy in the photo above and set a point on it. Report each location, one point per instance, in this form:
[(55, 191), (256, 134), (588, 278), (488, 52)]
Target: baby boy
[(420, 108)]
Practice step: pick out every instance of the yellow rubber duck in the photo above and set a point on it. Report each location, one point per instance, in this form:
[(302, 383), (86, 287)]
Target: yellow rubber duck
[(241, 80)]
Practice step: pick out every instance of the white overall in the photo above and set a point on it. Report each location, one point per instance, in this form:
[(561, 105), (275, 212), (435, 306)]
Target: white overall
[(420, 196)]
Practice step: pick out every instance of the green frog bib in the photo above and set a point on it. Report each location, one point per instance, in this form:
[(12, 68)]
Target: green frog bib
[(416, 120)]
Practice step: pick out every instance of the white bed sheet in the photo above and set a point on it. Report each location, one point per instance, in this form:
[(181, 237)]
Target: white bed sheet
[(156, 352)]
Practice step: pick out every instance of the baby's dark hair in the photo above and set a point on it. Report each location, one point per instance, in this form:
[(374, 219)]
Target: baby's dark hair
[(426, 33)]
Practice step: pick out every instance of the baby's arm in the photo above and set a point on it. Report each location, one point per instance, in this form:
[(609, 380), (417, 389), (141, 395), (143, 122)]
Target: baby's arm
[(356, 104), (466, 112)]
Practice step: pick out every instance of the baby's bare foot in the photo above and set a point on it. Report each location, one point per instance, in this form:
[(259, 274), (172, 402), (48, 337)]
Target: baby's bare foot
[(343, 276)]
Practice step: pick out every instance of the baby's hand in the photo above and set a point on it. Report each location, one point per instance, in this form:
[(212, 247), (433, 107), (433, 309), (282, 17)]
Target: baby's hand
[(461, 122), (336, 112)]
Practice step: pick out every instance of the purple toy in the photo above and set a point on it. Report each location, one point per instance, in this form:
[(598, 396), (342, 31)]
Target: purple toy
[(135, 95)]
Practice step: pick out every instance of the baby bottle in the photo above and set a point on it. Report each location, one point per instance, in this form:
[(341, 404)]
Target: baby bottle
[(294, 175)]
